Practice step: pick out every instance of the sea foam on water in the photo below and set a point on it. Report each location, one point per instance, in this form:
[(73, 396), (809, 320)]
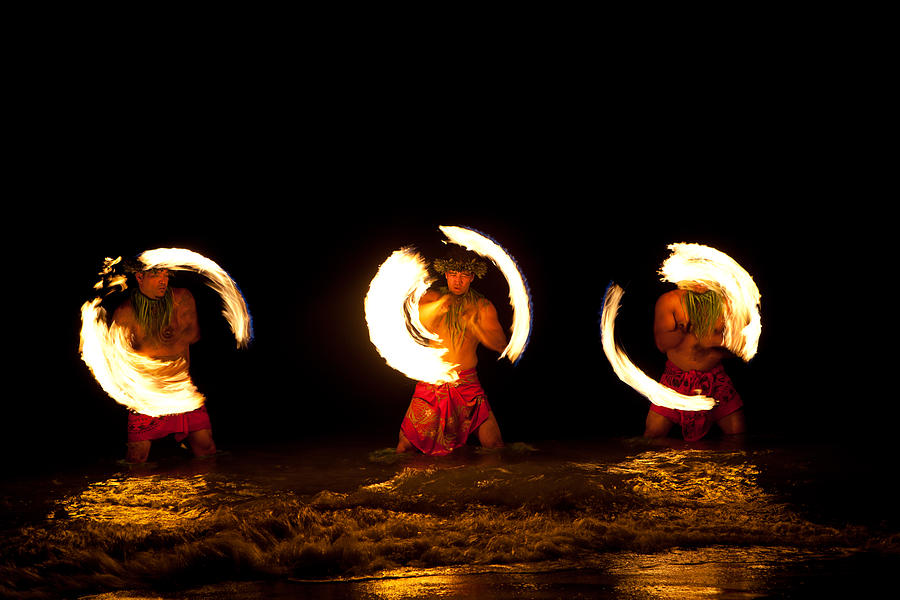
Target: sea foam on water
[(339, 515)]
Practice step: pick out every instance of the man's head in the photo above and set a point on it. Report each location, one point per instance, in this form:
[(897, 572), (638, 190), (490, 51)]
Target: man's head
[(460, 267), (458, 282), (153, 283)]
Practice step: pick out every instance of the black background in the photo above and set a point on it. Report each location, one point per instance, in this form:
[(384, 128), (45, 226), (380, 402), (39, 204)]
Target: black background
[(301, 186)]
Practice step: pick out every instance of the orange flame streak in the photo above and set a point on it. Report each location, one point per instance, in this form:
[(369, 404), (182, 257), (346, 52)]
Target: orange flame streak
[(392, 306), (150, 386), (235, 310), (697, 264), (519, 297), (687, 265), (629, 373)]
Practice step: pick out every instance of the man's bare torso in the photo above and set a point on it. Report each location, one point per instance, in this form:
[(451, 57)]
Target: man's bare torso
[(478, 316), (680, 344), (175, 338)]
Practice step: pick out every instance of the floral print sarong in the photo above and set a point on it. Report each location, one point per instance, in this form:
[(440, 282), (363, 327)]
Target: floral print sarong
[(441, 417)]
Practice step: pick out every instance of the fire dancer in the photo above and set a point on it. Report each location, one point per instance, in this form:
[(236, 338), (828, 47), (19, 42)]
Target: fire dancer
[(440, 418), (688, 327), (162, 322)]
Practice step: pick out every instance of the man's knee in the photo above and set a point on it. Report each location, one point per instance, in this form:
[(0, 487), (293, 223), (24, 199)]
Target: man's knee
[(489, 433), (733, 424), (138, 451), (403, 444), (202, 443), (657, 426)]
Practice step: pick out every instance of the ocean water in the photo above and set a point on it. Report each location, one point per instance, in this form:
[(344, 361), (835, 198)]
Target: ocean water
[(612, 518)]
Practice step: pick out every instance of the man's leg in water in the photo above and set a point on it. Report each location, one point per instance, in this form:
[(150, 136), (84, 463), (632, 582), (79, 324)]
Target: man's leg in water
[(489, 433), (202, 442), (733, 424), (404, 445), (138, 451), (657, 426)]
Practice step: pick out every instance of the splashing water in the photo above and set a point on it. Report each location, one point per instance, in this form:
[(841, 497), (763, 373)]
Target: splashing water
[(346, 515)]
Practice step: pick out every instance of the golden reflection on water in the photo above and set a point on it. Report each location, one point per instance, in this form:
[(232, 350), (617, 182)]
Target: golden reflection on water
[(695, 574), (160, 502), (432, 586), (696, 476)]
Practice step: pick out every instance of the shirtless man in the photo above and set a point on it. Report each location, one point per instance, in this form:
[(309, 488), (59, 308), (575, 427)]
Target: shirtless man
[(163, 325), (441, 417), (688, 327)]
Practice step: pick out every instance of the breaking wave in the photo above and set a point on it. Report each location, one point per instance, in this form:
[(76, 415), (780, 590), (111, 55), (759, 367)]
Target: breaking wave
[(338, 517)]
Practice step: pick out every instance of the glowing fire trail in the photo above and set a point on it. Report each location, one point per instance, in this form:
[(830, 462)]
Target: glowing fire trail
[(519, 298), (235, 311), (151, 386), (688, 265), (392, 309), (697, 264), (626, 370)]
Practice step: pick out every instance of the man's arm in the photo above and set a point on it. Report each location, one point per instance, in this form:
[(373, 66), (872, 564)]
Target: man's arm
[(123, 316), (432, 306), (669, 324), (186, 309), (487, 328)]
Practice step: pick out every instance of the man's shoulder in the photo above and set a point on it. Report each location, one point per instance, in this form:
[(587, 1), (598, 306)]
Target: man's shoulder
[(181, 294), (124, 311), (670, 300), (671, 296), (486, 307), (485, 303)]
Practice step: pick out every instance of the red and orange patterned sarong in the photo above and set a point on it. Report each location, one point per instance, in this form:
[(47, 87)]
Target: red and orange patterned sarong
[(143, 427), (714, 383), (441, 417)]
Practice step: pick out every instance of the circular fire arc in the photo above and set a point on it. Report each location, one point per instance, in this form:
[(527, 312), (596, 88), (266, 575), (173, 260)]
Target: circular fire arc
[(688, 265), (392, 314), (151, 386)]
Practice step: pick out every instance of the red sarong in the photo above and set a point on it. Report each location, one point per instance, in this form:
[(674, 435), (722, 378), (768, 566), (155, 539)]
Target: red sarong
[(714, 383), (143, 427), (441, 417)]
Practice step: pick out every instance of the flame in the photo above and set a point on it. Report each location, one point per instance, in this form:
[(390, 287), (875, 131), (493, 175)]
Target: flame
[(626, 370), (697, 264), (690, 264), (235, 311), (519, 298), (146, 385), (392, 309)]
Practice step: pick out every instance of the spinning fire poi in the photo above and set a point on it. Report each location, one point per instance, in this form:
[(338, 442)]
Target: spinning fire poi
[(431, 335), (141, 359), (712, 313)]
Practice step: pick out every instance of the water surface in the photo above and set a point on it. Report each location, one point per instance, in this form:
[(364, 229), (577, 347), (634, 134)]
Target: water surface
[(617, 518)]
